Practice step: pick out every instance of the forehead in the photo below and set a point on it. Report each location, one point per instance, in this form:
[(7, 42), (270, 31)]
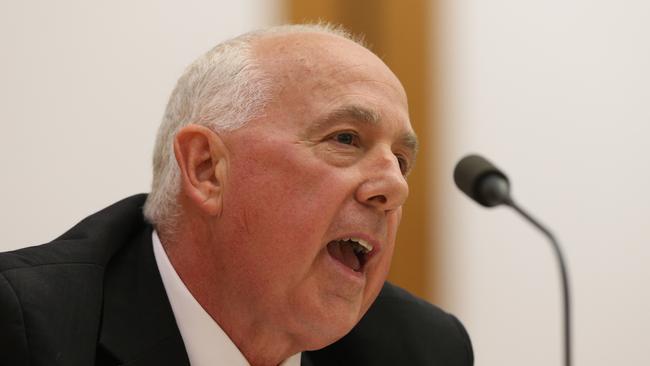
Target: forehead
[(322, 59), (317, 75)]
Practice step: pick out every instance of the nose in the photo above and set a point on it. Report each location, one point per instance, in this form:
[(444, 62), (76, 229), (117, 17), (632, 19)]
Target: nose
[(384, 187)]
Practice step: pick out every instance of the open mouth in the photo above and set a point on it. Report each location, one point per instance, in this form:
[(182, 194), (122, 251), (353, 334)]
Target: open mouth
[(352, 252)]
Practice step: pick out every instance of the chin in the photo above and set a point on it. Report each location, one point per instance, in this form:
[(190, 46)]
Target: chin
[(333, 325), (322, 340)]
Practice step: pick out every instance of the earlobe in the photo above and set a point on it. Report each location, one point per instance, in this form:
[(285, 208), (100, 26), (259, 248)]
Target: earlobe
[(202, 160)]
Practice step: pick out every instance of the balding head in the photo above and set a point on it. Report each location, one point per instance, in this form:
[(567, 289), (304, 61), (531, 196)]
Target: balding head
[(222, 90)]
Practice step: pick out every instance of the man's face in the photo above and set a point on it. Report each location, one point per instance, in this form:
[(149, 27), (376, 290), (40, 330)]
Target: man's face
[(325, 163)]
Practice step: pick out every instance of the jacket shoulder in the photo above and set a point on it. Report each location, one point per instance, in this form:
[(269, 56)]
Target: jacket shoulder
[(51, 294), (93, 241)]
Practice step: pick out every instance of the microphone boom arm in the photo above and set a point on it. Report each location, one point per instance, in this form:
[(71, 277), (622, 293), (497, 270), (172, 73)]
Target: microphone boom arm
[(489, 186), (566, 301)]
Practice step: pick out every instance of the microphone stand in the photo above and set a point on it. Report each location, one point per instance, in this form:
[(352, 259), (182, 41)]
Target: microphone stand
[(563, 271), (487, 185)]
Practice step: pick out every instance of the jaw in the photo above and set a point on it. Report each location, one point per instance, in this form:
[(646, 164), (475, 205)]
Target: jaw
[(343, 298), (334, 309)]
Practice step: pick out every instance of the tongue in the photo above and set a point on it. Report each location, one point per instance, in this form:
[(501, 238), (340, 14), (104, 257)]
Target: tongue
[(344, 254)]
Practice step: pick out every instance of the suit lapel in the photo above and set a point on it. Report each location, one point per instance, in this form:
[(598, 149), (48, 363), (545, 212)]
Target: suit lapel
[(305, 360), (138, 325)]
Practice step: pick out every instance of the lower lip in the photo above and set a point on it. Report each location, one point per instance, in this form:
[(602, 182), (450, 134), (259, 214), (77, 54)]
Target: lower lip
[(346, 271)]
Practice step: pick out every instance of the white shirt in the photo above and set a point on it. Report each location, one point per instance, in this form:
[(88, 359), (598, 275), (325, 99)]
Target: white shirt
[(205, 342)]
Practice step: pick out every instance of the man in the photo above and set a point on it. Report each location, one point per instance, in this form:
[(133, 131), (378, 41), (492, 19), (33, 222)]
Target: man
[(279, 177)]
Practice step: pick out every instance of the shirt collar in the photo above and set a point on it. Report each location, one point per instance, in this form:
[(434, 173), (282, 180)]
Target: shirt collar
[(205, 342)]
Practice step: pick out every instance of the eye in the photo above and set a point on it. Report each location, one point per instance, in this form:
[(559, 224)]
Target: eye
[(404, 166), (346, 138)]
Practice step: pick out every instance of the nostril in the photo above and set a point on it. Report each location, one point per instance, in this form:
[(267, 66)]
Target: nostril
[(379, 198)]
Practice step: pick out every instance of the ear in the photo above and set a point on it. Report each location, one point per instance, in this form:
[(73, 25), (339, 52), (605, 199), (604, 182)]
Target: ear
[(203, 162)]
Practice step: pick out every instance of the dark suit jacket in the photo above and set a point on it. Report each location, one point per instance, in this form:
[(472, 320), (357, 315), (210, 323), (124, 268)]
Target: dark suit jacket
[(94, 297)]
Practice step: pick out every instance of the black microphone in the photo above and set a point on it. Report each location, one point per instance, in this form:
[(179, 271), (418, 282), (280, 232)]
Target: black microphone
[(486, 184), (482, 181)]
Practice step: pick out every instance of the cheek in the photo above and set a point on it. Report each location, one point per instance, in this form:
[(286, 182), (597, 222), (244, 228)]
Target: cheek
[(283, 198), (378, 274), (393, 223)]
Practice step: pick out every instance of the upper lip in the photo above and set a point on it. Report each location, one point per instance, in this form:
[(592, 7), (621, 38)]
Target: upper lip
[(367, 246)]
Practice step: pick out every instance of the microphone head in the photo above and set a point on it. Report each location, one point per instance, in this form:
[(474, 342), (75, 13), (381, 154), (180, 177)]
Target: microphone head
[(482, 181)]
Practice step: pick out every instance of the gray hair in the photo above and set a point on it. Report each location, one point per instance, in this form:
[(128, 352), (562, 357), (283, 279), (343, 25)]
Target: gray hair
[(222, 90)]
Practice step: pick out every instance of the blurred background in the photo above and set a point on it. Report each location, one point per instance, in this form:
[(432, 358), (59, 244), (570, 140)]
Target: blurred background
[(557, 93)]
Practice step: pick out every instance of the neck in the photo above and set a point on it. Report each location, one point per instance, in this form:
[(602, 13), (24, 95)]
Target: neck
[(211, 281)]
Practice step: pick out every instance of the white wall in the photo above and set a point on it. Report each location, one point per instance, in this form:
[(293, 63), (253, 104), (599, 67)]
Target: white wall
[(557, 93), (83, 85)]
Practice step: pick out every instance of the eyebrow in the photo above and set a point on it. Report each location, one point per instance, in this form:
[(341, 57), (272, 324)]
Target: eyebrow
[(354, 112), (366, 115)]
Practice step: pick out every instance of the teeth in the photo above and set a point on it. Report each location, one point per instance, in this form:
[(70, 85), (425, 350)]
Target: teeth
[(363, 246)]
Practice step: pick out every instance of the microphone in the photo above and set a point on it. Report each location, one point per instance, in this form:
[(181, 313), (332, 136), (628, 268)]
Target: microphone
[(489, 186), (482, 181)]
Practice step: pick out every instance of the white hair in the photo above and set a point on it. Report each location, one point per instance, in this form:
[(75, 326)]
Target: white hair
[(222, 90)]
